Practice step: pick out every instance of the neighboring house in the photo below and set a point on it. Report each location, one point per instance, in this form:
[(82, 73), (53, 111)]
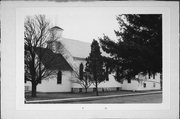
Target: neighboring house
[(65, 56), (143, 82)]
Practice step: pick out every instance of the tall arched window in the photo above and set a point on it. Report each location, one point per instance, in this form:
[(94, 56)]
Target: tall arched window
[(154, 76), (59, 77)]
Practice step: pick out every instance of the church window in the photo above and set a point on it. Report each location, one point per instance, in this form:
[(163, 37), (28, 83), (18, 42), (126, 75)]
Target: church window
[(59, 77)]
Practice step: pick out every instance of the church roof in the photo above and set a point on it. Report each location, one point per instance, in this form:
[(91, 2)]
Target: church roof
[(77, 48), (53, 61), (74, 49)]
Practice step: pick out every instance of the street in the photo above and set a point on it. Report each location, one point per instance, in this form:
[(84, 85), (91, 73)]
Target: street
[(150, 98)]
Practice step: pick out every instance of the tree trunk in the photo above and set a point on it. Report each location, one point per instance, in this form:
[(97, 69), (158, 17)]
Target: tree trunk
[(86, 89), (97, 88), (86, 83), (33, 93)]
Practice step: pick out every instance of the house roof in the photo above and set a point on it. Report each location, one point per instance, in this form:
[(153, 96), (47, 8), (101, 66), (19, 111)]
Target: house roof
[(53, 61), (78, 49)]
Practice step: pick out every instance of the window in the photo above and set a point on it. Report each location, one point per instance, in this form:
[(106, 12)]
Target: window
[(49, 45), (154, 84), (94, 89), (80, 90), (154, 76), (144, 85), (149, 76), (59, 77), (129, 80), (107, 75), (53, 47)]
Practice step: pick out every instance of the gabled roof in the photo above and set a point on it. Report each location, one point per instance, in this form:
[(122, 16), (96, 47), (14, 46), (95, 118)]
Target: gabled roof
[(52, 60), (73, 49), (78, 49)]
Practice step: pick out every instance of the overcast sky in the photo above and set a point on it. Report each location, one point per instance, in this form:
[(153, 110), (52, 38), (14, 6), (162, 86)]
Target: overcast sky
[(86, 23)]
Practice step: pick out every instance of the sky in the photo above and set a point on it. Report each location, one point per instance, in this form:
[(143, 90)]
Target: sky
[(86, 23)]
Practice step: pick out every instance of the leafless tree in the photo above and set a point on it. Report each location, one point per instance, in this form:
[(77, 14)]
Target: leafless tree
[(84, 78), (36, 35)]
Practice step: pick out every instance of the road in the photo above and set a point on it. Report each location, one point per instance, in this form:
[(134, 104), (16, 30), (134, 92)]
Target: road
[(150, 98)]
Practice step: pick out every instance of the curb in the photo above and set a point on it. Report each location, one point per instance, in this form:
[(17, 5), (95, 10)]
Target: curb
[(88, 98)]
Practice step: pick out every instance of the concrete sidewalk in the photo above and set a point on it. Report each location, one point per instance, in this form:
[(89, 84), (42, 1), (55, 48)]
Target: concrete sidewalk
[(89, 98)]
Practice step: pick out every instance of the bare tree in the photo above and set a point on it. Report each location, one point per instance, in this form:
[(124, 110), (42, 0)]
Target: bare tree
[(36, 34), (84, 78)]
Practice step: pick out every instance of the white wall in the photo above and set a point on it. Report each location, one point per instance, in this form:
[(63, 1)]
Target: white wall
[(67, 84), (105, 84), (51, 85), (79, 61), (130, 86), (151, 84), (111, 83)]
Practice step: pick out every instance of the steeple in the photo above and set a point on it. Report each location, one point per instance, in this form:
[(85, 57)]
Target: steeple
[(56, 33), (55, 37)]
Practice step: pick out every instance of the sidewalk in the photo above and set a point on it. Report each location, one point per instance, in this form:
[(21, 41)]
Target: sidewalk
[(65, 100)]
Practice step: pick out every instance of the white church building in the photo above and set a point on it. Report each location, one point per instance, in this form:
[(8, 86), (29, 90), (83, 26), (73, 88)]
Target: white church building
[(65, 56)]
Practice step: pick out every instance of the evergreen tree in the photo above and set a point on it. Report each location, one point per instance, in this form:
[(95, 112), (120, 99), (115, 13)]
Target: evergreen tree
[(81, 73), (139, 45), (94, 65)]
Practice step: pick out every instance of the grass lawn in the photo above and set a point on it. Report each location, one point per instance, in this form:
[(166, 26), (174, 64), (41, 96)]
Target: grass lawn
[(150, 98), (45, 96)]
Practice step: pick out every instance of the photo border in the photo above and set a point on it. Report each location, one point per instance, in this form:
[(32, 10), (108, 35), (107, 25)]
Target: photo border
[(170, 69)]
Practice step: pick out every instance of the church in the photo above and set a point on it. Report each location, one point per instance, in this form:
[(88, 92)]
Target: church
[(65, 56)]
